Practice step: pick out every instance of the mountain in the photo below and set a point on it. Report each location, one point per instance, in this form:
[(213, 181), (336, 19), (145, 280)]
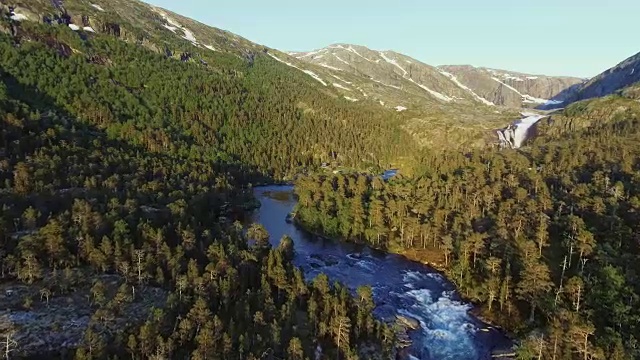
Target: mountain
[(616, 78), (439, 111), (593, 113), (387, 74), (133, 21), (207, 86), (596, 112), (510, 88), (429, 106), (406, 76)]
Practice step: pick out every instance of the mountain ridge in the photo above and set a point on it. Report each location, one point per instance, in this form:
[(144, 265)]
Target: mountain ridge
[(616, 78), (465, 82)]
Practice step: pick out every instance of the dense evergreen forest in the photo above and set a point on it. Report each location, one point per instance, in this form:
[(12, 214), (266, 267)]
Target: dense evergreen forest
[(254, 111), (546, 239), (119, 163)]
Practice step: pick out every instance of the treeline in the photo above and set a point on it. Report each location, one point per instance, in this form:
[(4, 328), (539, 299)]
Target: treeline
[(138, 167), (545, 238)]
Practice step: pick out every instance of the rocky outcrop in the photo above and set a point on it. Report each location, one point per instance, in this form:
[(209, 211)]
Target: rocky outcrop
[(408, 322), (405, 324)]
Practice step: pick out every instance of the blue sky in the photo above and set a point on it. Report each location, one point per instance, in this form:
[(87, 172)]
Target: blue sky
[(552, 37)]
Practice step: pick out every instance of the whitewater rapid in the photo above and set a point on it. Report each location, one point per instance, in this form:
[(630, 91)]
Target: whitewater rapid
[(400, 287)]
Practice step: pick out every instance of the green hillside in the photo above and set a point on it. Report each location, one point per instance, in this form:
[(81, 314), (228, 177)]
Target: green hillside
[(220, 107), (544, 238)]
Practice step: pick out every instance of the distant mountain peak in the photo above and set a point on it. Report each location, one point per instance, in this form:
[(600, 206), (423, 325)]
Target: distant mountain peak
[(449, 84)]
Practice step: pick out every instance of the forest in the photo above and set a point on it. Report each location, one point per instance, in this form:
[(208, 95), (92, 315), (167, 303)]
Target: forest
[(255, 112), (126, 175), (121, 188), (545, 239)]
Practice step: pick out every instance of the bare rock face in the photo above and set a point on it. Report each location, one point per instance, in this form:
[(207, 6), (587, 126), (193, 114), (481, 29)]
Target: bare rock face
[(510, 88)]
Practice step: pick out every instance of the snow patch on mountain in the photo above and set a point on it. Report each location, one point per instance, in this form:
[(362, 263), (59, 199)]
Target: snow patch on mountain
[(351, 49), (341, 79), (351, 99), (88, 28), (310, 53), (508, 86), (98, 7), (553, 102), (394, 63), (170, 28), (74, 27), (188, 35), (391, 86), (528, 98), (400, 108), (18, 17), (511, 77), (308, 72), (533, 100), (315, 76), (173, 26), (330, 67), (433, 93), (464, 87), (340, 59), (210, 47), (341, 86)]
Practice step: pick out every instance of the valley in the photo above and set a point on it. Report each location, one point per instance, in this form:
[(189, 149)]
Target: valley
[(169, 190)]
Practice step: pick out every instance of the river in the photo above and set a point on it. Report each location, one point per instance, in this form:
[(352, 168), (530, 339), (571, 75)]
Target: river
[(448, 331)]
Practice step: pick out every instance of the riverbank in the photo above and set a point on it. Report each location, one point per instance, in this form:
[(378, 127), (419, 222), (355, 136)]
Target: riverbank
[(448, 330), (435, 261)]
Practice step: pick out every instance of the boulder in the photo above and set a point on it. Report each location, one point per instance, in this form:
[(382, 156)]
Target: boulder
[(408, 322)]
